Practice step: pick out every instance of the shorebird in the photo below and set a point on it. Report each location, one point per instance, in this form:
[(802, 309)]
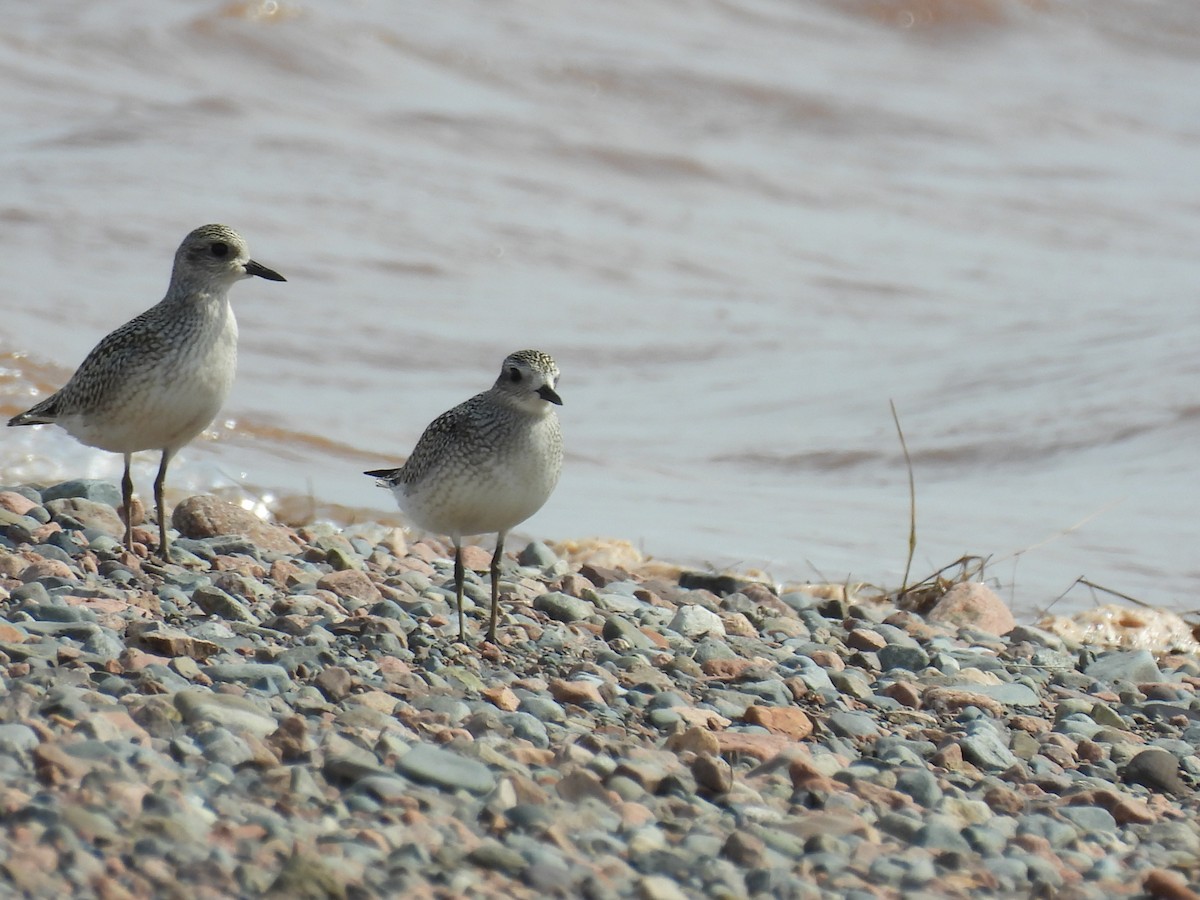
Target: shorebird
[(485, 466), (160, 379)]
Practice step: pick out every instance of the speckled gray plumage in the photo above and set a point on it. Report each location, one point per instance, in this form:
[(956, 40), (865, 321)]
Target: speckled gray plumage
[(488, 464), (476, 435), (160, 379), (134, 358)]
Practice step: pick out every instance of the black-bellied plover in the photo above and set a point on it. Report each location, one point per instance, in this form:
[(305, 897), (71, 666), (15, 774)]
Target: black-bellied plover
[(160, 379), (486, 465)]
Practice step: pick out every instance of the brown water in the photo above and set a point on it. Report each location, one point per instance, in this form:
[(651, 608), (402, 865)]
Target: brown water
[(741, 227)]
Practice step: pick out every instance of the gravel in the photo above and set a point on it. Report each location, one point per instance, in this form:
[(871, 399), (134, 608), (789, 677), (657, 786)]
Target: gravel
[(284, 712)]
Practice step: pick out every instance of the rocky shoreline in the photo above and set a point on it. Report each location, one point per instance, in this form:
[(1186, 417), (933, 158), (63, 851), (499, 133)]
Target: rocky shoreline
[(283, 712)]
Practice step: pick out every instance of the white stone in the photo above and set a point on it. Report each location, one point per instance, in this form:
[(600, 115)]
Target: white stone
[(696, 621)]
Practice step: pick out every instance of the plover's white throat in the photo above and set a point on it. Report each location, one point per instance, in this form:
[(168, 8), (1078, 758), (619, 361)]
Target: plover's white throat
[(160, 379), (487, 465)]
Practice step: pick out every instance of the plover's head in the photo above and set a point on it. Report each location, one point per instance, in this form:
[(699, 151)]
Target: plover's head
[(216, 256), (529, 380)]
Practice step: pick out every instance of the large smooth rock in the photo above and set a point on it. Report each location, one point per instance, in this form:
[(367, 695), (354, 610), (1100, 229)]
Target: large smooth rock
[(205, 516), (1134, 666), (975, 604)]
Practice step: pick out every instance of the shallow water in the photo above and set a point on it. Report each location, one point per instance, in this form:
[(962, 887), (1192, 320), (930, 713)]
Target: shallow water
[(741, 228)]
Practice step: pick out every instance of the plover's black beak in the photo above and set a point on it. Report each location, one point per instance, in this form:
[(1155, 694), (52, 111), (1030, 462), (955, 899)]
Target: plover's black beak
[(548, 393), (253, 268)]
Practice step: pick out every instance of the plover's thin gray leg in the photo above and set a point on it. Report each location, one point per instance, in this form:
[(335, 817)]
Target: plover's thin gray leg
[(127, 501), (159, 481), (486, 465), (459, 579), (491, 635)]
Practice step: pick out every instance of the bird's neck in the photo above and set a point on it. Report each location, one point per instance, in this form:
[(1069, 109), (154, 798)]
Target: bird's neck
[(208, 299)]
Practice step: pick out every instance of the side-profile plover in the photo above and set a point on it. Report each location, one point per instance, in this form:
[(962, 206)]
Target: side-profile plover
[(486, 465), (160, 379)]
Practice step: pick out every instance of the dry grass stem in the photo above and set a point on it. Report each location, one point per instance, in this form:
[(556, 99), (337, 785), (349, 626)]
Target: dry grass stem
[(912, 503)]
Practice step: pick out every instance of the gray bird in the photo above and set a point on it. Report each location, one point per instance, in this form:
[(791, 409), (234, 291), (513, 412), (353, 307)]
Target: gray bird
[(487, 465), (160, 379)]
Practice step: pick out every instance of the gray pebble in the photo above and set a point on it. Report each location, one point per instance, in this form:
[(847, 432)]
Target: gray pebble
[(491, 854), (664, 719), (852, 683), (446, 769), (455, 710), (695, 621), (233, 712), (32, 594), (812, 675), (77, 513), (1043, 874), (773, 692), (921, 785), (984, 747), (49, 611), (537, 554), (347, 763), (105, 492), (1059, 833), (216, 602), (221, 746), (104, 643), (542, 708), (1008, 694), (617, 627), (985, 840), (563, 607), (615, 602), (54, 550), (15, 739), (853, 724), (1133, 666), (1089, 819), (941, 833), (258, 675), (19, 529), (1156, 769), (902, 656), (526, 727)]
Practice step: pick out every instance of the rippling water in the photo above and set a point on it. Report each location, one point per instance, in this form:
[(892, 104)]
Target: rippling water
[(741, 227)]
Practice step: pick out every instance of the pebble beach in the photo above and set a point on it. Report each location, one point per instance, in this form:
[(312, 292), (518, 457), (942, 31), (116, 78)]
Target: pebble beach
[(283, 712)]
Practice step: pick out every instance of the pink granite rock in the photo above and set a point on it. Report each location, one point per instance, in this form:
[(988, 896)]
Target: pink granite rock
[(975, 604)]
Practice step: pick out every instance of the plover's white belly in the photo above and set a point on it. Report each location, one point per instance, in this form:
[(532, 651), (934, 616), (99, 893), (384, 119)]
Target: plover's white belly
[(163, 403), (485, 509), (469, 501)]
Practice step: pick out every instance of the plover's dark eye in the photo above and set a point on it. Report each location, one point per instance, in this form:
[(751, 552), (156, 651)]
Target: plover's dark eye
[(514, 374), (219, 249)]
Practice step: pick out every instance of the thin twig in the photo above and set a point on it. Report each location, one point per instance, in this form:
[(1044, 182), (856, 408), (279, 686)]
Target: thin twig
[(821, 579), (1082, 579), (1049, 606), (912, 502), (1063, 533), (1100, 587)]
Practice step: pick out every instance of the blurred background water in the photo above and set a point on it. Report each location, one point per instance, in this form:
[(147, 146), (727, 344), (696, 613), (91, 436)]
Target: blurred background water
[(742, 227)]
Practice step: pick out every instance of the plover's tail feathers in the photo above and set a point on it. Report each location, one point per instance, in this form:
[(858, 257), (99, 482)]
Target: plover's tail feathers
[(387, 477)]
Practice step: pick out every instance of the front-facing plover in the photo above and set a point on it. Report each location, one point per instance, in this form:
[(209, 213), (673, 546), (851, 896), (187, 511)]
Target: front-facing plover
[(160, 379), (486, 465)]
